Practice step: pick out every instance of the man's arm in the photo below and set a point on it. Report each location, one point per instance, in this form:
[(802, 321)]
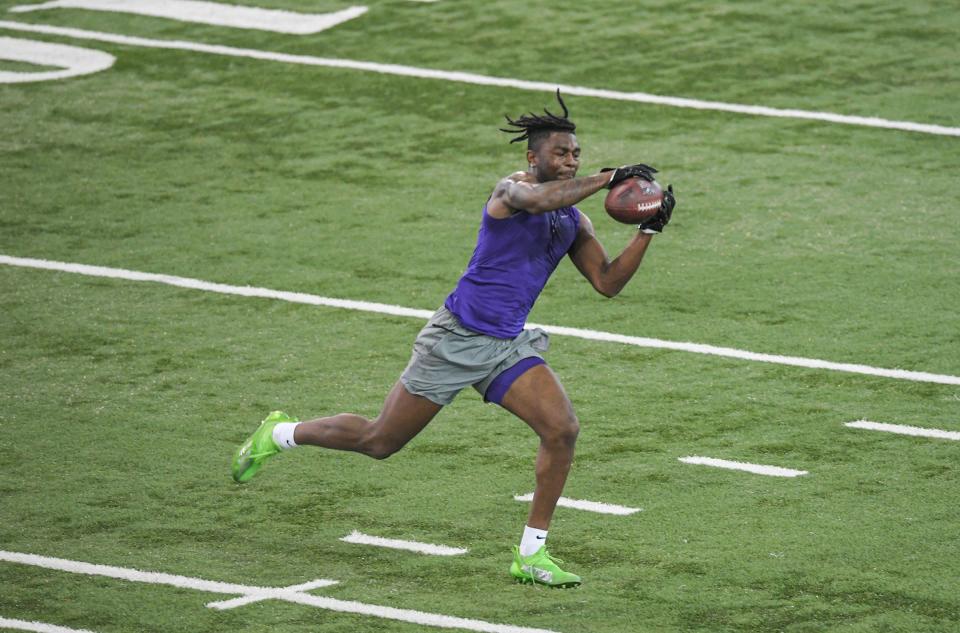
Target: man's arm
[(521, 192), (590, 258)]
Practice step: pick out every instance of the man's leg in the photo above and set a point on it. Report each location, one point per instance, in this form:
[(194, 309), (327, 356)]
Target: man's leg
[(403, 416), (537, 398)]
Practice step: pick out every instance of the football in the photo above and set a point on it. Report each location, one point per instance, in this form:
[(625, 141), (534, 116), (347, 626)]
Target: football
[(634, 200)]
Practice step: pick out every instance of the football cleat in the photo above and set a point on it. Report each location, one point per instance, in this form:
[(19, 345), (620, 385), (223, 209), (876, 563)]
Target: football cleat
[(258, 448), (541, 568)]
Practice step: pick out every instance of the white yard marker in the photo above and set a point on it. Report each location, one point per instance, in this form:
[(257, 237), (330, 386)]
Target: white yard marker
[(39, 627), (757, 469), (216, 13), (904, 430), (486, 80), (285, 593), (413, 546), (252, 594), (589, 506), (383, 308)]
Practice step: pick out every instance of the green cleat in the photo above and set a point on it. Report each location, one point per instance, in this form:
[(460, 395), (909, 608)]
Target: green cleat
[(541, 568), (250, 456)]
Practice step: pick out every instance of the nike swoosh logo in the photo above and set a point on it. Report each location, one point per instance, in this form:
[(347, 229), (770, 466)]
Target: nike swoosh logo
[(541, 538)]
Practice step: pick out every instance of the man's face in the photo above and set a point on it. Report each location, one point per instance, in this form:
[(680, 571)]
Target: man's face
[(557, 158)]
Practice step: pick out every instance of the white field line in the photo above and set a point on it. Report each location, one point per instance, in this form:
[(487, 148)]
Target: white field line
[(39, 627), (413, 546), (406, 615), (135, 575), (589, 506), (729, 352), (261, 593), (757, 469), (382, 308), (485, 80), (902, 429), (216, 13)]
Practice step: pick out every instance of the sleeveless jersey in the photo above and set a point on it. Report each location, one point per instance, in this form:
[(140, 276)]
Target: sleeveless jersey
[(511, 264)]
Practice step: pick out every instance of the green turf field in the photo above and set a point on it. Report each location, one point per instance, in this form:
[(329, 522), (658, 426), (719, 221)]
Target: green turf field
[(121, 402)]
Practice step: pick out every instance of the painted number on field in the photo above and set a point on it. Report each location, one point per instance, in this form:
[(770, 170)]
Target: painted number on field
[(69, 61), (216, 13)]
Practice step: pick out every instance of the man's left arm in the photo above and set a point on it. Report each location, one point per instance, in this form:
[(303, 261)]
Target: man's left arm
[(607, 277), (590, 258)]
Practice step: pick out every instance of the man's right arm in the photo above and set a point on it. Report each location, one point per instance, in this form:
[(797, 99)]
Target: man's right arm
[(520, 192)]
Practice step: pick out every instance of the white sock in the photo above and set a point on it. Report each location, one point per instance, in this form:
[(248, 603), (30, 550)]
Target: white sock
[(533, 539), (283, 435)]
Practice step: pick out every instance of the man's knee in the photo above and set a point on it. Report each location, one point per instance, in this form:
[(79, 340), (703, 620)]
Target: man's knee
[(571, 429), (380, 446), (562, 430)]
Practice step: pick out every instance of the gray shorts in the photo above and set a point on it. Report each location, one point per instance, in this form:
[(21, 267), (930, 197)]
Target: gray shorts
[(448, 357)]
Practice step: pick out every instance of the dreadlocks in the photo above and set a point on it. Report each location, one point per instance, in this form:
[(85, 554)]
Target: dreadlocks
[(533, 128)]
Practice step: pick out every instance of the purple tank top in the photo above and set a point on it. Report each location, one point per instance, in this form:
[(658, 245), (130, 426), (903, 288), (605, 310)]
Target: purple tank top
[(511, 264)]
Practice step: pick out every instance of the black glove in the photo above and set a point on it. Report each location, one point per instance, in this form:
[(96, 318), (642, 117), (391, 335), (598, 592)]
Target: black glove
[(629, 171), (655, 224)]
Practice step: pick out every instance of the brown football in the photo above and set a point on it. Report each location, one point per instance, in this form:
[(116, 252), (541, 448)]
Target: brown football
[(634, 200)]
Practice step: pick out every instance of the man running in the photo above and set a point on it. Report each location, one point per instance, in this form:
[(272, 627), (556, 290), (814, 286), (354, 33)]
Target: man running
[(477, 338)]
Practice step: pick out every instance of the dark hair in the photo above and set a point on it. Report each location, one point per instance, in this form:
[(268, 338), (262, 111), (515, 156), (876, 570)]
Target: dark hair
[(533, 128)]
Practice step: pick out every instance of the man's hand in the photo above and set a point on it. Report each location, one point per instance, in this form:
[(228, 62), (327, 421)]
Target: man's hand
[(629, 171), (655, 224)]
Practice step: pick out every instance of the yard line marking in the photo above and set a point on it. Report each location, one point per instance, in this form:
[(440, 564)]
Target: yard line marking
[(332, 604), (589, 506), (198, 284), (413, 546), (215, 13), (757, 469), (729, 352), (407, 615), (903, 429), (39, 627), (486, 80), (133, 575), (382, 308)]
